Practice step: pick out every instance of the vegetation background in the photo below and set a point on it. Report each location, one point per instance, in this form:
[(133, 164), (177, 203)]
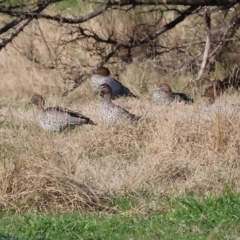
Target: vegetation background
[(175, 176)]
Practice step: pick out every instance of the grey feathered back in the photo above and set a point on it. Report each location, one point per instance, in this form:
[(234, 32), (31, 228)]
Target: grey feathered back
[(102, 76)]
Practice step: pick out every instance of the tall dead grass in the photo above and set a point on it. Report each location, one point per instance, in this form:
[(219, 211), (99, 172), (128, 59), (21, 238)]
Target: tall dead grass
[(175, 149)]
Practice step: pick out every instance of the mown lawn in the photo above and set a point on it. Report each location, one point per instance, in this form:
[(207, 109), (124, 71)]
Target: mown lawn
[(180, 218)]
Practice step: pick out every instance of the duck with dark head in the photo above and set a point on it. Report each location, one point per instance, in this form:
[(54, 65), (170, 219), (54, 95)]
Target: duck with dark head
[(102, 75)]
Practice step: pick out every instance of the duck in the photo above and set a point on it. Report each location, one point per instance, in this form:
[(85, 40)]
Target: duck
[(214, 90), (56, 118), (111, 112), (102, 75), (165, 95)]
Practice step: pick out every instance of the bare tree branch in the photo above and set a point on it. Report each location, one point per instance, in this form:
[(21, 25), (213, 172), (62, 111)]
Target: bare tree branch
[(107, 39), (51, 55), (131, 44), (12, 35), (135, 43), (174, 2), (170, 25), (231, 30), (11, 24), (207, 45), (56, 18), (218, 51), (110, 3), (22, 17), (21, 23)]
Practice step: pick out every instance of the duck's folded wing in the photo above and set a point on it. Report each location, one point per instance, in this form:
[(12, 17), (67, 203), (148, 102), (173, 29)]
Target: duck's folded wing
[(183, 97), (118, 88), (74, 116), (128, 114), (70, 112)]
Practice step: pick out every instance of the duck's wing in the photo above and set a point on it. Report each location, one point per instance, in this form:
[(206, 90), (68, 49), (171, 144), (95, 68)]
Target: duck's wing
[(75, 117), (119, 90), (128, 92), (183, 97), (129, 115)]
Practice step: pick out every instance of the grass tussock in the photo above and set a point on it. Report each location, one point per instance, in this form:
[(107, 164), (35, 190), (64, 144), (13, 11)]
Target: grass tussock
[(175, 149)]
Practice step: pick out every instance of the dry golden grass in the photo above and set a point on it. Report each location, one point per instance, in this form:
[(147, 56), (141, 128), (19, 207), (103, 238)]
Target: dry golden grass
[(175, 149)]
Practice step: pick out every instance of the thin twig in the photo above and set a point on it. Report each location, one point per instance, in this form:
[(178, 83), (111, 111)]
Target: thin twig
[(12, 35), (207, 45), (51, 55)]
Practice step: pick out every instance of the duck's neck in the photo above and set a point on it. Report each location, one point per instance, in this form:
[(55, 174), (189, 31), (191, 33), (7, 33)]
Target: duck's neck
[(38, 109), (100, 75), (108, 97)]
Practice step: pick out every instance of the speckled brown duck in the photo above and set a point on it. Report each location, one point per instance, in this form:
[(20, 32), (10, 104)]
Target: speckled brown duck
[(214, 90), (56, 118), (165, 95), (111, 112)]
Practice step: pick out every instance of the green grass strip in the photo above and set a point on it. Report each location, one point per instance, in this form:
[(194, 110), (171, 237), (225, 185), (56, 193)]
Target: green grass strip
[(181, 218)]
